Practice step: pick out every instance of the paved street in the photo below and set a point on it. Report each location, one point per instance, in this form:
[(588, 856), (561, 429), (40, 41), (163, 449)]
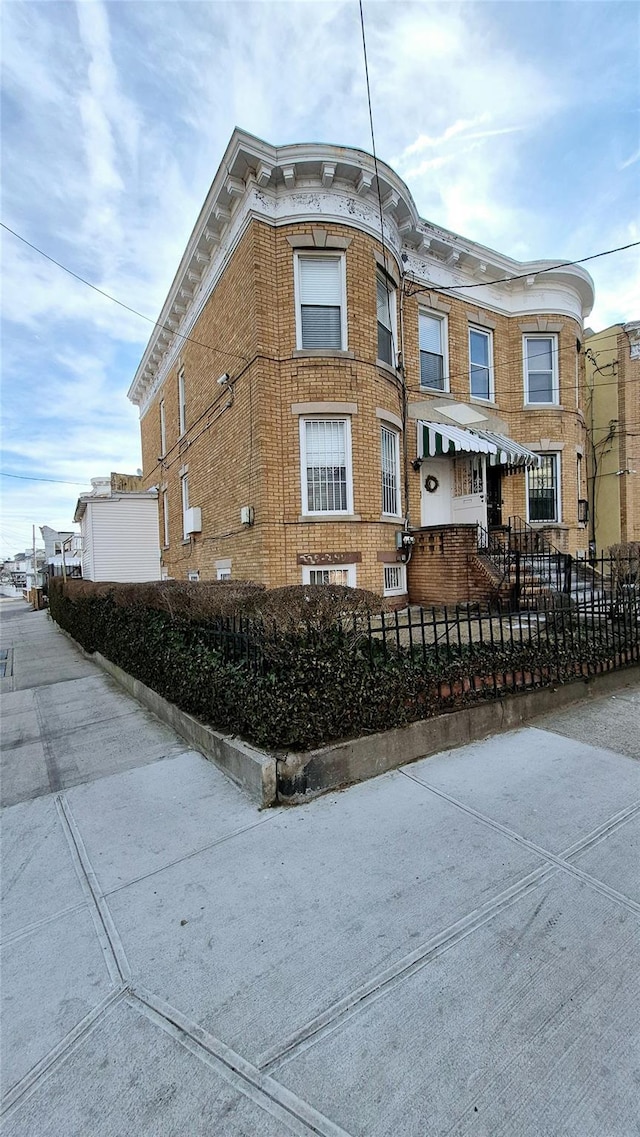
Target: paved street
[(449, 949)]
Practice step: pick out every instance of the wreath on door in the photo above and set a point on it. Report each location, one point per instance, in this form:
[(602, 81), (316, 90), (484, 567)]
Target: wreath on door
[(431, 484)]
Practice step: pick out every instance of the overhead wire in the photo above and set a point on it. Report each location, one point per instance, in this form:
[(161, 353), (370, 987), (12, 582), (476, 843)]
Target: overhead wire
[(528, 275), (224, 351), (53, 481), (156, 323)]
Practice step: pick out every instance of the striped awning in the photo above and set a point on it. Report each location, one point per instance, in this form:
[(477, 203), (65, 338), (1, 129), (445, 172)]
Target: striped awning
[(508, 452), (438, 440)]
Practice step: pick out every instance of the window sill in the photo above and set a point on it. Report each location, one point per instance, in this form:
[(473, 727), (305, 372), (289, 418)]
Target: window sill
[(388, 368), (543, 407), (391, 519), (434, 390), (186, 541), (400, 592), (322, 353), (483, 402), (304, 518)]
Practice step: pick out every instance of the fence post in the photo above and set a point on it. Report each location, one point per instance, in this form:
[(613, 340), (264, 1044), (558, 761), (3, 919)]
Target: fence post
[(517, 585), (568, 564)]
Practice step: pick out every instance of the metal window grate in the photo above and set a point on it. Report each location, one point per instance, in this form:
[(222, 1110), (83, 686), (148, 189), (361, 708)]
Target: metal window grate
[(329, 576), (390, 487), (326, 463), (543, 490)]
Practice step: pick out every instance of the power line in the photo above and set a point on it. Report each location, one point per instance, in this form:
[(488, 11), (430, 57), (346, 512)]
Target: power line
[(209, 347), (375, 166), (156, 323), (28, 478), (523, 275)]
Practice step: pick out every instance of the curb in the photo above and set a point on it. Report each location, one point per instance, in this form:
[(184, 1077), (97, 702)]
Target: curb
[(252, 769), (295, 777), (302, 776)]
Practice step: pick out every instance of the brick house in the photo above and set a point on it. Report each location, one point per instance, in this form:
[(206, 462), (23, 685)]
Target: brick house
[(336, 391)]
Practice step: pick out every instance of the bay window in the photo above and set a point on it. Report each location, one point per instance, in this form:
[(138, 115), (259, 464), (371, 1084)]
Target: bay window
[(432, 336), (480, 364), (325, 449), (541, 369), (320, 302), (386, 307), (390, 462)]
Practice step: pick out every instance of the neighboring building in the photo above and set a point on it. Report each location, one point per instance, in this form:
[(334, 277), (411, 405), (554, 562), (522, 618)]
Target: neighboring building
[(613, 424), (119, 530), (335, 391), (62, 551), (20, 570)]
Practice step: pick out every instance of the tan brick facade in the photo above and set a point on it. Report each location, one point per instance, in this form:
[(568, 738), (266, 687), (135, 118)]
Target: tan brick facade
[(241, 446), (613, 422)]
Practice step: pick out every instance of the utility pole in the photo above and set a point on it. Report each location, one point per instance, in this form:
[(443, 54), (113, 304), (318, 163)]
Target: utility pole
[(35, 573)]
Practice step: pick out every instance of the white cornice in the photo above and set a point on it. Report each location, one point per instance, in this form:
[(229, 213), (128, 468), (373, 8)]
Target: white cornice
[(308, 182)]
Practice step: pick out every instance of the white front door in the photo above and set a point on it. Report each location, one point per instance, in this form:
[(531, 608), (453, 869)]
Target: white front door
[(469, 504), (436, 476)]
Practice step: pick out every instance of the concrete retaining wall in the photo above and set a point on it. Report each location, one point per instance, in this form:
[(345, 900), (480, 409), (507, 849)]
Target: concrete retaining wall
[(292, 778), (252, 769)]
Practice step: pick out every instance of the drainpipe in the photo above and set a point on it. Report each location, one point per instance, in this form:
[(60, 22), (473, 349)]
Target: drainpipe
[(401, 369)]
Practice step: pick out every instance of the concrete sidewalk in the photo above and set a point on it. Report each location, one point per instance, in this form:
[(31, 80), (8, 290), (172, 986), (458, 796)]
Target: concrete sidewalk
[(449, 949)]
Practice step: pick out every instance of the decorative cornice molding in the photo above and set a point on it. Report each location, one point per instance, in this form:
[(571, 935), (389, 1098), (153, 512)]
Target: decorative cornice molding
[(316, 182)]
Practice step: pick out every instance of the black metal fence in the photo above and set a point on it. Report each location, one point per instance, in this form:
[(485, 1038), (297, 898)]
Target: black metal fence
[(467, 649), (527, 568)]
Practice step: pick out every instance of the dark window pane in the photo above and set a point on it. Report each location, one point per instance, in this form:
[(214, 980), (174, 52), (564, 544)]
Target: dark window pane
[(321, 327), (327, 488), (542, 490), (479, 348), (431, 370), (480, 387), (385, 345), (540, 387), (539, 355)]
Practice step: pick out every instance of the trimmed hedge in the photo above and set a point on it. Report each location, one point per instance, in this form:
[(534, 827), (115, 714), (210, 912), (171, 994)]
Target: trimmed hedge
[(312, 675)]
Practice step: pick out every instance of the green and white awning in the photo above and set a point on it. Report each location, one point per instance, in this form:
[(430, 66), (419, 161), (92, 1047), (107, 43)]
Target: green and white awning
[(439, 440)]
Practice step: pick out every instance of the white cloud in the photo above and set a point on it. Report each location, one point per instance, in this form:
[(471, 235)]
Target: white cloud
[(116, 117)]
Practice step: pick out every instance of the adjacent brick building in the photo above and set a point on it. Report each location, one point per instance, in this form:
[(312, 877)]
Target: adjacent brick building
[(613, 422), (316, 392)]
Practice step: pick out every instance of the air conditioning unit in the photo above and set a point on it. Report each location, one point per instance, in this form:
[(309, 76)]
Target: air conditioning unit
[(193, 520)]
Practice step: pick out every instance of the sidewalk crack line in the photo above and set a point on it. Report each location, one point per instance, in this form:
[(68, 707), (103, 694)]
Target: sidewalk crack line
[(106, 930)]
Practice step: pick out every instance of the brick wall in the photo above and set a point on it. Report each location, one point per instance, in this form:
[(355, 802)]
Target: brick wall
[(241, 446)]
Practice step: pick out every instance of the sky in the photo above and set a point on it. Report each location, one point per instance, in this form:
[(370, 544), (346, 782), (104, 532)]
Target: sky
[(514, 124)]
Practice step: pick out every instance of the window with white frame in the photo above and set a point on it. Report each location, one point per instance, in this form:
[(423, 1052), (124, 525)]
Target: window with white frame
[(541, 369), (165, 518), (386, 304), (395, 580), (182, 402), (163, 430), (433, 333), (333, 574), (543, 486), (223, 574), (325, 448), (184, 489), (390, 462), (193, 575), (481, 364), (320, 303)]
